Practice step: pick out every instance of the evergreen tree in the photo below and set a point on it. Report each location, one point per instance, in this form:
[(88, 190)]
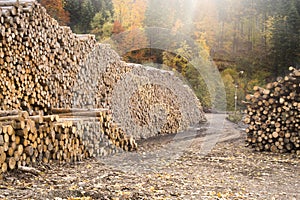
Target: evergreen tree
[(285, 37), (82, 13)]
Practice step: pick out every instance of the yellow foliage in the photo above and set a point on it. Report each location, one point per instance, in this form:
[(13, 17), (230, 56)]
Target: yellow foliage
[(130, 14)]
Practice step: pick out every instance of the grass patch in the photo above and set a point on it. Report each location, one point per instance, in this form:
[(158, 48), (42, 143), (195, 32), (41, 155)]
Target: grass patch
[(235, 117)]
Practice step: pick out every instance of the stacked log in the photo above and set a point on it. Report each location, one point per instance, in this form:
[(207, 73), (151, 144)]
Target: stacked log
[(169, 104), (273, 115), (41, 73), (39, 60), (145, 101), (98, 132), (92, 84), (159, 100), (65, 98), (26, 139), (66, 136)]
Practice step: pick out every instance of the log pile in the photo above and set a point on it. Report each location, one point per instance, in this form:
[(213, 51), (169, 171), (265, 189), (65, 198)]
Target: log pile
[(39, 60), (67, 135), (144, 101), (273, 115), (93, 84), (148, 102), (41, 74), (162, 102), (63, 97), (59, 69), (99, 134)]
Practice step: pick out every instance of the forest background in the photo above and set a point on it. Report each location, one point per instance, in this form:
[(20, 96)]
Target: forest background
[(259, 37)]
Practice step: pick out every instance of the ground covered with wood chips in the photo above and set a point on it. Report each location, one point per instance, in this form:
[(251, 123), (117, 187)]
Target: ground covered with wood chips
[(180, 171)]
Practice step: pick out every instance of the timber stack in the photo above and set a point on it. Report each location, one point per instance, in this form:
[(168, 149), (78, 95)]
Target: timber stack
[(68, 135), (273, 115), (39, 60), (145, 101), (158, 103), (40, 63), (63, 97)]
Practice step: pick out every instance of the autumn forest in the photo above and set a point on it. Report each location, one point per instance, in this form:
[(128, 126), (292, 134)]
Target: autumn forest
[(259, 37)]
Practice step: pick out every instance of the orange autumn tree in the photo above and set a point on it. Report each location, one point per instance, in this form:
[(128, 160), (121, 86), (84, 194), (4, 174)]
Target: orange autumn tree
[(128, 28), (117, 28), (55, 8), (130, 14)]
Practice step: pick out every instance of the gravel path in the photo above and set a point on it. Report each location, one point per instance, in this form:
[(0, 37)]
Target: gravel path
[(180, 167)]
